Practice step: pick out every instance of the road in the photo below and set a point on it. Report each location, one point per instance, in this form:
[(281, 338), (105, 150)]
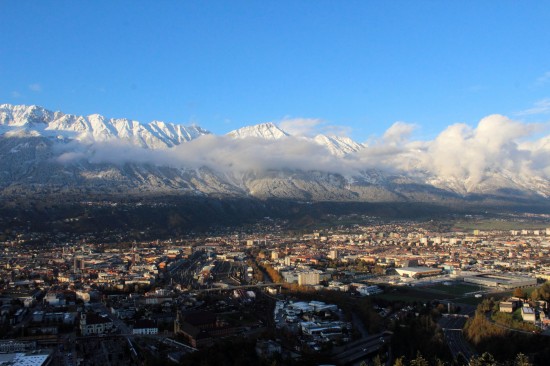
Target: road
[(358, 324), (360, 349), (119, 324), (458, 345), (229, 288), (452, 329)]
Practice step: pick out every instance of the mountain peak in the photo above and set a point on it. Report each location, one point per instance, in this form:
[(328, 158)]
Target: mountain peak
[(22, 115), (96, 127), (339, 146), (57, 150), (267, 131)]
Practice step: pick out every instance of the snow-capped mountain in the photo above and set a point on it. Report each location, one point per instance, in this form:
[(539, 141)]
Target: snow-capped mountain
[(339, 146), (266, 131), (336, 145), (94, 128), (43, 151)]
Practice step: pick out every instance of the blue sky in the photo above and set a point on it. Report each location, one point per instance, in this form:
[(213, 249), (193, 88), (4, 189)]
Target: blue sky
[(360, 65)]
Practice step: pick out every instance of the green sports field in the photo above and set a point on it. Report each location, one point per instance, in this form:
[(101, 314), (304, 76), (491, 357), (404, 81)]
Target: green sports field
[(454, 291)]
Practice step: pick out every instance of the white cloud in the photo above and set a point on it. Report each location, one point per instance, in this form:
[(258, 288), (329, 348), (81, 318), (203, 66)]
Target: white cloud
[(336, 130), (35, 87), (300, 126), (463, 152), (398, 133), (545, 78), (228, 154), (540, 107), (466, 153), (310, 127), (16, 94)]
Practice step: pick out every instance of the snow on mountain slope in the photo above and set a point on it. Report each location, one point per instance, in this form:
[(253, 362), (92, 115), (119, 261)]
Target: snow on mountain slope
[(154, 135), (21, 115), (176, 133), (267, 131), (53, 149), (339, 146)]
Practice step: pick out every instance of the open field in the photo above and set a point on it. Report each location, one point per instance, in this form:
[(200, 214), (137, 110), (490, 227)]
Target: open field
[(455, 291), (408, 294)]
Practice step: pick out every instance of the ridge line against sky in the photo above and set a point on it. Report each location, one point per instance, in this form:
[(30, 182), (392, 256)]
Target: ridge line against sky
[(354, 67)]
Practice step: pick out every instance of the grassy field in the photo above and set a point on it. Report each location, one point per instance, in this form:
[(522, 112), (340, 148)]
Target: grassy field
[(455, 292), (433, 292), (456, 289), (407, 295)]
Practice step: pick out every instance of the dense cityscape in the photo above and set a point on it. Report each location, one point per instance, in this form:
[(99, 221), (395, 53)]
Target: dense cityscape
[(337, 295), (274, 183)]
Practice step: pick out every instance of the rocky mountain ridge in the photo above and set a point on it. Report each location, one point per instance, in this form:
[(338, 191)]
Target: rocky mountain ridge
[(44, 152)]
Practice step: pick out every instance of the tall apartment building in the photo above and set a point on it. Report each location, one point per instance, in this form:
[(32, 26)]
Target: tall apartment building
[(308, 278)]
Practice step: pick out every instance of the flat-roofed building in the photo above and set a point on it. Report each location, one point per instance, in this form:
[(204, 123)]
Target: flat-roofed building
[(508, 306), (528, 314), (501, 280), (308, 278), (33, 358), (367, 290), (417, 272)]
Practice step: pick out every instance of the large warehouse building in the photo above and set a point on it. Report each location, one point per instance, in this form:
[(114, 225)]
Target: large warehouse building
[(500, 280), (417, 272)]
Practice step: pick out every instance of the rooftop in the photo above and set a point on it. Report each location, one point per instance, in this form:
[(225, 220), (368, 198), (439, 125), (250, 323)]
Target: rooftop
[(35, 358)]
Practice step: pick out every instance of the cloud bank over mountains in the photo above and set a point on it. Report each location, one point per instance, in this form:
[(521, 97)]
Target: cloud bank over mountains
[(460, 154), (460, 151)]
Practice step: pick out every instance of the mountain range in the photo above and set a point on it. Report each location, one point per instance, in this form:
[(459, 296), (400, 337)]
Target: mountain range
[(46, 152)]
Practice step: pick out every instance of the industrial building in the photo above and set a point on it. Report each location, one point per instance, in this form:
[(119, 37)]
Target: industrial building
[(32, 358), (501, 280), (418, 272)]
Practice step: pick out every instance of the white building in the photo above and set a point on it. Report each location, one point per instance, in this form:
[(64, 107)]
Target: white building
[(34, 358), (528, 314), (308, 278), (368, 290), (417, 272), (333, 254), (92, 324), (338, 286), (145, 326), (505, 281), (54, 299)]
